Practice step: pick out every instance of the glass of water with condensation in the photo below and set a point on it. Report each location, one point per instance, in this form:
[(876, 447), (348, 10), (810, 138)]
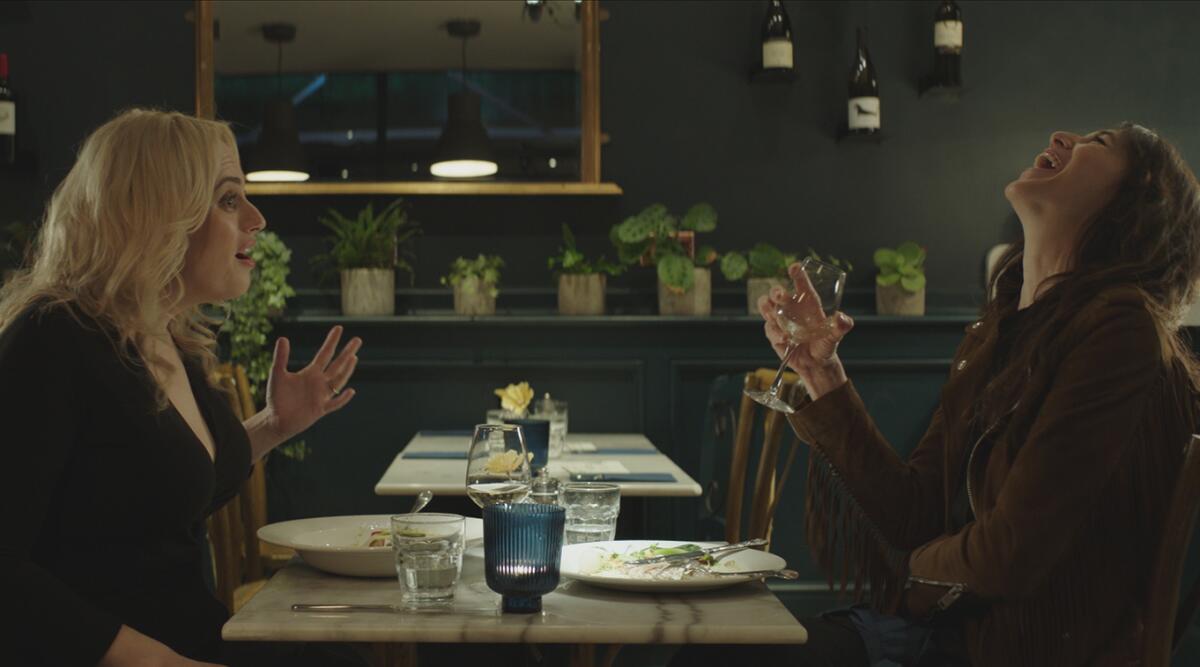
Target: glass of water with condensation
[(429, 550), (592, 509)]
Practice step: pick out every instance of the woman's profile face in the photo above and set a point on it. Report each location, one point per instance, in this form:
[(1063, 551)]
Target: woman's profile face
[(1074, 178), (217, 265)]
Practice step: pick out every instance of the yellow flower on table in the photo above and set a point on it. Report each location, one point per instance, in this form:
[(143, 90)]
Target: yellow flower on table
[(505, 463), (515, 397)]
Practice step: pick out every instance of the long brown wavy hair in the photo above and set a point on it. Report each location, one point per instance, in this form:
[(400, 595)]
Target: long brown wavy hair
[(1147, 237)]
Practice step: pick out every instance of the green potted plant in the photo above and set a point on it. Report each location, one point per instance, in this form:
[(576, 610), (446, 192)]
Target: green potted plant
[(764, 266), (900, 285), (366, 251), (476, 283), (581, 283), (655, 236), (251, 318)]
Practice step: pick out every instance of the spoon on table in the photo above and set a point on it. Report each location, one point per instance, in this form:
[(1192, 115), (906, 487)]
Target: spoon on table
[(423, 499)]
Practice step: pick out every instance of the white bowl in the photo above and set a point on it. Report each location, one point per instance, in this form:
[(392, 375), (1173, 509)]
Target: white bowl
[(333, 543)]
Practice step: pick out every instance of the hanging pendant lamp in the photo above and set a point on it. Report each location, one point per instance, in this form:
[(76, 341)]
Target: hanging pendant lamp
[(278, 155), (463, 150)]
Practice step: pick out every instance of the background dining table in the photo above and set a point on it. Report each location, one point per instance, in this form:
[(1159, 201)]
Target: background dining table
[(593, 621), (436, 460)]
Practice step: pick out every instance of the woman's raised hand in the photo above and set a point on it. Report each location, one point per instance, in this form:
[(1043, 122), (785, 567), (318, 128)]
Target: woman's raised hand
[(297, 400), (815, 360)]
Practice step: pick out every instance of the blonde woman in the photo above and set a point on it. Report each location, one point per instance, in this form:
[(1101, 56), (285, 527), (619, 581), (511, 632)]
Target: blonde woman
[(116, 446)]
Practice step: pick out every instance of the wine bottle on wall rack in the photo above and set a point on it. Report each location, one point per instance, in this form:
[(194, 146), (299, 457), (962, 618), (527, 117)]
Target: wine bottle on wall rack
[(777, 38), (8, 116), (864, 91), (947, 45)]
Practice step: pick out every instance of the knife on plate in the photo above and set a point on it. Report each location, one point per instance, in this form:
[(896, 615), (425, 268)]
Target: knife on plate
[(696, 553)]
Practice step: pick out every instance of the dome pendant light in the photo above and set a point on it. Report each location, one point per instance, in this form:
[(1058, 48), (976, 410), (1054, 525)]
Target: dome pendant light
[(278, 156), (463, 150)]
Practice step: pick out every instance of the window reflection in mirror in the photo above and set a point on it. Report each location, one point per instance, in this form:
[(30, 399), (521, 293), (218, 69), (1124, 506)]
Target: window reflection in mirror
[(369, 82)]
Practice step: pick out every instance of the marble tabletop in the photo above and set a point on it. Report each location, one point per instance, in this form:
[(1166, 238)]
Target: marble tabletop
[(410, 476), (576, 613)]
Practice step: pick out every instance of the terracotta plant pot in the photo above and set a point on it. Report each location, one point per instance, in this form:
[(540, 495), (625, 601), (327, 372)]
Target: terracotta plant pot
[(756, 287), (368, 291), (581, 294), (472, 297), (695, 301), (895, 300)]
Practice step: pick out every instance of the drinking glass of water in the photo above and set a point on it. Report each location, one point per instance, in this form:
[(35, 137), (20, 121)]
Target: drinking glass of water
[(592, 509), (428, 549), (804, 316)]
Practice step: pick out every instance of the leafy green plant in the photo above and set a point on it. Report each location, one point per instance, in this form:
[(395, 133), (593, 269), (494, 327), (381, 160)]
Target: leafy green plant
[(370, 240), (653, 234), (571, 260), (904, 265), (250, 315), (250, 320), (484, 268), (762, 261), (766, 261)]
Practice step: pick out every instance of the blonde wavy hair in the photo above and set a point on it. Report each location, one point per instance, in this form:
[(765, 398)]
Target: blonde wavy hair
[(115, 233)]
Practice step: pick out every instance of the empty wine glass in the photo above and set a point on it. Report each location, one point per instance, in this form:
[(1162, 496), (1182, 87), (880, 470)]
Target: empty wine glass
[(804, 316), (497, 465)]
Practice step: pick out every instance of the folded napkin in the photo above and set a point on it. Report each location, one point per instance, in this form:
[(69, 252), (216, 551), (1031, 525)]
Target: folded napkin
[(435, 455), (624, 477)]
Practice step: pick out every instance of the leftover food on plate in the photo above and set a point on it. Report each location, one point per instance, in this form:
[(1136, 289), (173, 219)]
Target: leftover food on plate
[(616, 563)]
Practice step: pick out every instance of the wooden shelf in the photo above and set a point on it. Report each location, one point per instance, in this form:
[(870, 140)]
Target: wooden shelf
[(433, 188)]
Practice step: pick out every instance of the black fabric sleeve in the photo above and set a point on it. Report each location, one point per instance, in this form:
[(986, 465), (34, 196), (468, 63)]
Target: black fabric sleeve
[(41, 393)]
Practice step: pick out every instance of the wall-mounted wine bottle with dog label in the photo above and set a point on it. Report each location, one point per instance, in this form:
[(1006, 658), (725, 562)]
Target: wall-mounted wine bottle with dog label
[(863, 105)]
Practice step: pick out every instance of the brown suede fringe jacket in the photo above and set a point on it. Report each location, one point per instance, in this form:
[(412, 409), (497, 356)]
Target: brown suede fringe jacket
[(1068, 506)]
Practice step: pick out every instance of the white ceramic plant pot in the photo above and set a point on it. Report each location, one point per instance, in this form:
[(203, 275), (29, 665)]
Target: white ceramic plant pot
[(581, 294), (696, 301), (472, 297), (368, 291), (895, 300), (757, 287)]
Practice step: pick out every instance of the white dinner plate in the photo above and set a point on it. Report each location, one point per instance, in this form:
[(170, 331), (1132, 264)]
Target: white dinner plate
[(581, 562), (332, 543)]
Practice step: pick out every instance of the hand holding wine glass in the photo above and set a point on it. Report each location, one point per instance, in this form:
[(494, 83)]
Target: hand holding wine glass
[(804, 328), (498, 465)]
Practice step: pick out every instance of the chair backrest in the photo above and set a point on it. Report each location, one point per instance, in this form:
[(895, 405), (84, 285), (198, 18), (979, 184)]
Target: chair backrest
[(768, 479), (1167, 619), (233, 529)]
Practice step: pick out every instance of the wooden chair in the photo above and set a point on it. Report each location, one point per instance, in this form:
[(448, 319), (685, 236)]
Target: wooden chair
[(240, 561), (769, 479), (1166, 618)]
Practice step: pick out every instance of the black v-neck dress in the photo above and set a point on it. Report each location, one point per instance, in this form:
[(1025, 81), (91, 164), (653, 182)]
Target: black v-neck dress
[(103, 497)]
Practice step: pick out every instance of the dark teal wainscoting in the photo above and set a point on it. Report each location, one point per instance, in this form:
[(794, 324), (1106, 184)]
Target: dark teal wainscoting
[(645, 374)]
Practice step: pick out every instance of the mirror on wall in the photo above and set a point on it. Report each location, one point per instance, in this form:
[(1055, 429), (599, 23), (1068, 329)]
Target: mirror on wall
[(377, 91)]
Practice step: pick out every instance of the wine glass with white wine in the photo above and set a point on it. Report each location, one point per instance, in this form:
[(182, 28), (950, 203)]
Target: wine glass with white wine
[(498, 465), (804, 316)]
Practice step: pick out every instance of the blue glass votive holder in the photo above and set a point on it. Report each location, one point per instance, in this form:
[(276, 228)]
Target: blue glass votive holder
[(522, 549), (537, 440)]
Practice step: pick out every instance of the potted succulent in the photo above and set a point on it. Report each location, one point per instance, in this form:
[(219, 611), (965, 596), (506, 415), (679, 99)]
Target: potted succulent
[(655, 236), (581, 283), (475, 283), (366, 251), (900, 285)]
